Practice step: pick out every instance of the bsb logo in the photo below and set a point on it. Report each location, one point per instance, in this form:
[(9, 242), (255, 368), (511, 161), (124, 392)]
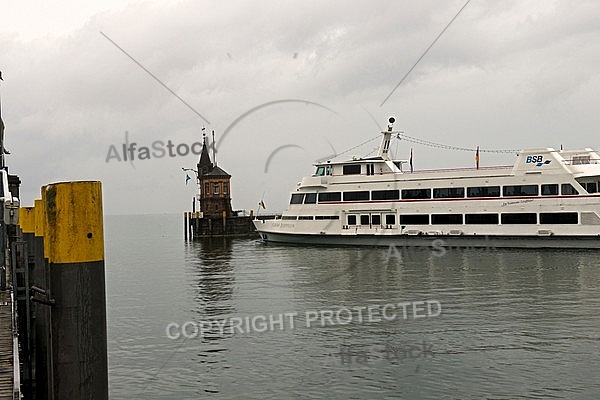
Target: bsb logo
[(537, 160)]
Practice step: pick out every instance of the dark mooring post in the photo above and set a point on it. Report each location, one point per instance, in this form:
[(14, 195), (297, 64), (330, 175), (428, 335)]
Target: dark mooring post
[(185, 225), (74, 245)]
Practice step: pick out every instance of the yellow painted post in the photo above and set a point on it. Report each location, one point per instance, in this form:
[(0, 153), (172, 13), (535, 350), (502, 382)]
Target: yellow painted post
[(40, 217), (74, 245), (27, 219), (74, 213)]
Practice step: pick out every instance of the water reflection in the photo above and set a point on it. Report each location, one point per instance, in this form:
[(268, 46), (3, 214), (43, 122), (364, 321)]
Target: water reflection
[(210, 260)]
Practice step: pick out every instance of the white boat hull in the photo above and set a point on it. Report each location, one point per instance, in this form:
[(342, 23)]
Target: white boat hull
[(435, 241)]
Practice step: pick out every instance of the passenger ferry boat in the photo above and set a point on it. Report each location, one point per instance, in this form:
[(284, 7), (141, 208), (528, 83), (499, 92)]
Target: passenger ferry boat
[(549, 198)]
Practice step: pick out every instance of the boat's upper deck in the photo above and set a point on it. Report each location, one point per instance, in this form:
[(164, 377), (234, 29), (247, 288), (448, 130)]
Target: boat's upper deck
[(548, 161)]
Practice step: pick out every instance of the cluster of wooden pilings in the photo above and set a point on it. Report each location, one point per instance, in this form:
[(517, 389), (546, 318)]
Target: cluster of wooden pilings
[(62, 306), (188, 230)]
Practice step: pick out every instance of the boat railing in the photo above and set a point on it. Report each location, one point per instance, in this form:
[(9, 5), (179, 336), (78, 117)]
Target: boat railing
[(491, 168), (572, 161), (439, 170)]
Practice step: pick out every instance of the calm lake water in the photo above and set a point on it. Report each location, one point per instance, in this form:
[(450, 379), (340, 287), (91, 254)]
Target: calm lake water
[(513, 323)]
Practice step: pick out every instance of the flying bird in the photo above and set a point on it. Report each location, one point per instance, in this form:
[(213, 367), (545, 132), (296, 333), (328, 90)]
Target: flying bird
[(1, 76)]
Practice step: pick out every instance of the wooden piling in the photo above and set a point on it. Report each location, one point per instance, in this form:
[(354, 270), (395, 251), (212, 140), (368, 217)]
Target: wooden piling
[(185, 225), (41, 353), (74, 246)]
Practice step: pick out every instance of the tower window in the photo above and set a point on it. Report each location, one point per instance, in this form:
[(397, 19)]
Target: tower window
[(206, 189), (216, 187), (225, 188)]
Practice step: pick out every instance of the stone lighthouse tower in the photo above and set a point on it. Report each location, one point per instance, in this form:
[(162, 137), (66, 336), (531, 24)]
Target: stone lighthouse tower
[(215, 187)]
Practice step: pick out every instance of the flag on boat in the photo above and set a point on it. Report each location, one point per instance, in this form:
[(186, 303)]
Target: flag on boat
[(262, 204), (477, 158), (411, 164), (187, 178)]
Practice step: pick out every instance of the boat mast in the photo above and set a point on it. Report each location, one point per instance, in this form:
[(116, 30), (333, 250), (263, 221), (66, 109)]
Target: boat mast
[(2, 151), (384, 146)]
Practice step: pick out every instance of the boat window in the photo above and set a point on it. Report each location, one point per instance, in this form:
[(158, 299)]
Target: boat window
[(364, 220), (519, 218), (288, 218), (481, 219), (351, 219), (297, 198), (443, 219), (370, 169), (376, 219), (390, 219), (566, 189), (550, 189), (320, 171), (483, 191), (351, 169), (310, 198), (414, 219), (559, 218), (356, 196), (520, 190), (305, 217), (448, 193), (410, 194), (580, 160), (327, 217), (591, 187), (330, 196), (385, 195)]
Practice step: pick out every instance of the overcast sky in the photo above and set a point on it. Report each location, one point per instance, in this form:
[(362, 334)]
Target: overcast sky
[(510, 74)]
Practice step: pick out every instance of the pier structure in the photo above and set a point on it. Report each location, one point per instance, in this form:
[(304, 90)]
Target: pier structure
[(216, 216), (10, 371)]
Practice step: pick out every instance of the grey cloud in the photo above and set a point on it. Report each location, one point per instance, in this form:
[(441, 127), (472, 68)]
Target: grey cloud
[(505, 74)]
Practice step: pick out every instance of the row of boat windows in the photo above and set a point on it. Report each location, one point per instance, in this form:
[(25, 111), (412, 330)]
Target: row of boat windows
[(350, 169), (356, 169), (566, 189), (452, 219)]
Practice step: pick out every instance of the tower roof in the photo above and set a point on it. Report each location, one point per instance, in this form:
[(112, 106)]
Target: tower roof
[(217, 172), (204, 164)]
